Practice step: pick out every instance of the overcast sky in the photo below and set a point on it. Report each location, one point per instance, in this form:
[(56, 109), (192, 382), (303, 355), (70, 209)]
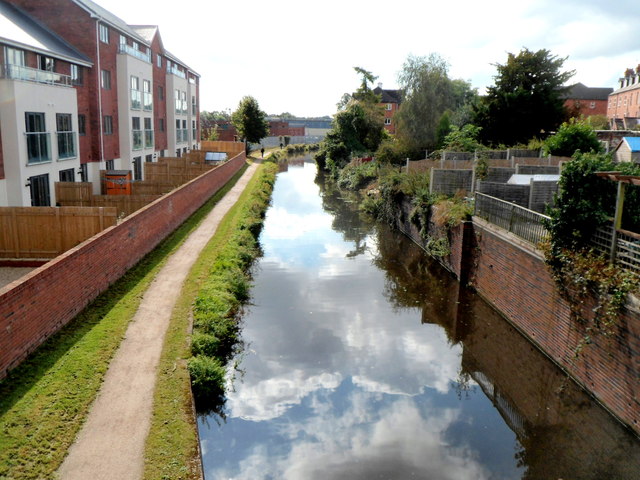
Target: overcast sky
[(298, 56)]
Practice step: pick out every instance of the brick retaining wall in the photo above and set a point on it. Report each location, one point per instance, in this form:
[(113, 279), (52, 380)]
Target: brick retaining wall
[(48, 298), (513, 278)]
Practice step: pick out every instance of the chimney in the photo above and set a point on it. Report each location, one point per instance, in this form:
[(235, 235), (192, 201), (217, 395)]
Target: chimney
[(379, 84)]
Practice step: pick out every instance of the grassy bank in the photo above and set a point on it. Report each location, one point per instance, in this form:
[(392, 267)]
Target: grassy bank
[(44, 402), (214, 290)]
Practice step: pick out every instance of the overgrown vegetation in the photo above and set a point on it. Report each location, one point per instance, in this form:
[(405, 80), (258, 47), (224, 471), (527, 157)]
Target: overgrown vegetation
[(587, 202), (571, 137), (222, 293), (44, 401)]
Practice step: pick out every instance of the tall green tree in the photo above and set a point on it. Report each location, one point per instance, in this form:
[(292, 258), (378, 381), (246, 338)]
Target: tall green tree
[(364, 93), (250, 122), (526, 98), (428, 93)]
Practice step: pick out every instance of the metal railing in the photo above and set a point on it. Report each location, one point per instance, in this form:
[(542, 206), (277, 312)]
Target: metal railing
[(132, 52), (520, 221), (176, 72), (27, 74), (148, 138), (136, 99), (137, 139), (147, 98)]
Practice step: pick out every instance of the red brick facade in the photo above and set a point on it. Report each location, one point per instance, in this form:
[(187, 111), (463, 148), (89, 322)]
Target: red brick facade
[(159, 95), (48, 298)]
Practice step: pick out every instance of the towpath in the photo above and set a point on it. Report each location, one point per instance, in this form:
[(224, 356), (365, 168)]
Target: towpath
[(111, 442)]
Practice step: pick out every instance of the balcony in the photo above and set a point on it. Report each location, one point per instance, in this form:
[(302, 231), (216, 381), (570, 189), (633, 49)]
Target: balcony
[(132, 52), (174, 70), (38, 148), (136, 99), (26, 74), (182, 135), (148, 139), (137, 139), (66, 145), (147, 98)]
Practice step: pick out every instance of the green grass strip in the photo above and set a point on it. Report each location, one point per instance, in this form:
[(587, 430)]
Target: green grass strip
[(172, 445), (45, 401)]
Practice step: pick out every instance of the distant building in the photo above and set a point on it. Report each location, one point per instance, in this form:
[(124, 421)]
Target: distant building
[(82, 91), (585, 101), (623, 110), (628, 150), (390, 101)]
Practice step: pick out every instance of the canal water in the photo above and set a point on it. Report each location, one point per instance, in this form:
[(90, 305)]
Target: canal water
[(364, 359)]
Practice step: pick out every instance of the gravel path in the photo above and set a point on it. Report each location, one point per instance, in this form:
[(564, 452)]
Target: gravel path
[(111, 443)]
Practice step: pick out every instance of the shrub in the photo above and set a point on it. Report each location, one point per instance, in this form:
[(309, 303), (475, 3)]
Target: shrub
[(207, 376), (571, 137)]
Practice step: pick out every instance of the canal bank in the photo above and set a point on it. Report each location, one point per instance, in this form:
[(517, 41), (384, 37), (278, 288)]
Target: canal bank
[(364, 358), (511, 275)]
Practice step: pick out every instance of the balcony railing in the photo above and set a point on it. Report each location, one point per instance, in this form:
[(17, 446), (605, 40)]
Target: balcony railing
[(148, 138), (136, 99), (176, 72), (137, 139), (129, 50), (38, 148), (182, 135), (26, 74), (66, 145), (147, 98)]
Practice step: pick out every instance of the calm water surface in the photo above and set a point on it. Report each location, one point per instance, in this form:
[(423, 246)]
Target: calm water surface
[(363, 359)]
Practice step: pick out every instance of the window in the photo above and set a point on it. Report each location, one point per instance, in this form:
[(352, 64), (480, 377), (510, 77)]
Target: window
[(104, 33), (148, 158), (37, 138), (66, 138), (136, 46), (46, 63), (76, 74), (84, 175), (160, 92), (137, 133), (592, 105), (387, 121), (178, 132), (105, 79), (193, 105), (178, 102), (137, 168), (148, 133), (161, 121), (136, 95), (68, 175), (183, 98), (110, 165), (13, 56), (147, 96), (193, 131), (108, 125), (82, 125), (388, 106), (159, 61), (123, 40)]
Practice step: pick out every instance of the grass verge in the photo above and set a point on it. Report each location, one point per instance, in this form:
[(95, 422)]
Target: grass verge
[(45, 401), (172, 445)]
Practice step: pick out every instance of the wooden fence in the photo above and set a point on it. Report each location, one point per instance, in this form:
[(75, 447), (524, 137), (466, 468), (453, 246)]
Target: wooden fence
[(232, 148), (46, 232)]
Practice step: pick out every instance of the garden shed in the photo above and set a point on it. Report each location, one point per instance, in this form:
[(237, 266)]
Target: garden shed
[(628, 150)]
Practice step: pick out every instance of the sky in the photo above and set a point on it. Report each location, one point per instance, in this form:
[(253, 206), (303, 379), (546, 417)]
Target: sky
[(298, 57)]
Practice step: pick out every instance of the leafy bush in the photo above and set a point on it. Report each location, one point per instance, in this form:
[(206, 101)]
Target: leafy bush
[(355, 177), (571, 137), (207, 376)]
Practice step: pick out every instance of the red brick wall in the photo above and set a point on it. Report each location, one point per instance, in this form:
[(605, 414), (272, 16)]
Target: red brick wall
[(586, 107), (49, 297), (159, 104), (518, 284)]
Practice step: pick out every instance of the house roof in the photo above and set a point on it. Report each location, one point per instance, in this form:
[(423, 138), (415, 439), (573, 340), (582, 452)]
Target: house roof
[(389, 96), (23, 31), (106, 16), (580, 91)]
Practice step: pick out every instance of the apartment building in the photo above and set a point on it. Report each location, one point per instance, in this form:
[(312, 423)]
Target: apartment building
[(130, 101), (390, 101)]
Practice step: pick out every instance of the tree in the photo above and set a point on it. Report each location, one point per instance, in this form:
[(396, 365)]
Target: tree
[(250, 122), (363, 93), (427, 94), (571, 137), (526, 98)]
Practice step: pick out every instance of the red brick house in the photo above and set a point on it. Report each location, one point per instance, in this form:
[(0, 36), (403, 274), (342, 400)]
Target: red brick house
[(135, 101), (390, 102), (624, 103), (585, 101)]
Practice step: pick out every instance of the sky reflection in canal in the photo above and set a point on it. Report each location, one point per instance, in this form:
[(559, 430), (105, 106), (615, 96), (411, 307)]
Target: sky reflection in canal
[(337, 382), (349, 373)]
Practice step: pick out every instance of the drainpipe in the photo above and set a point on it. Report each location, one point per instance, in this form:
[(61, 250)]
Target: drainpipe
[(99, 78)]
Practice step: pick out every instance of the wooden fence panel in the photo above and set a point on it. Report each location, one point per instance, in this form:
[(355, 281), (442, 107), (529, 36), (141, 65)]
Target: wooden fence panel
[(46, 232), (74, 194)]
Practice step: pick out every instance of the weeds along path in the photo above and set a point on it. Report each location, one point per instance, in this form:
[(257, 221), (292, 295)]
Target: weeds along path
[(112, 441)]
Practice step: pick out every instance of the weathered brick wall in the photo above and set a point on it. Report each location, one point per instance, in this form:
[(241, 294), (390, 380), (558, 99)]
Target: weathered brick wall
[(49, 297), (517, 283)]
